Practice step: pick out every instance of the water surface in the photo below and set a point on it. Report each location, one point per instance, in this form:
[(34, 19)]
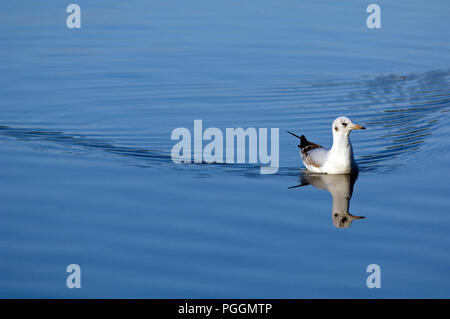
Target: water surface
[(86, 175)]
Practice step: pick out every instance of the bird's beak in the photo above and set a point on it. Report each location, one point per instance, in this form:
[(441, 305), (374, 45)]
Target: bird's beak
[(358, 127)]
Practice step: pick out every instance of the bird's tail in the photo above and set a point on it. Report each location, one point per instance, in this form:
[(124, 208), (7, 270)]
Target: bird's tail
[(295, 135), (302, 139), (305, 144)]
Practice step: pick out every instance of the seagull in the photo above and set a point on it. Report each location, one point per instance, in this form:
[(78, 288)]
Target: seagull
[(337, 160)]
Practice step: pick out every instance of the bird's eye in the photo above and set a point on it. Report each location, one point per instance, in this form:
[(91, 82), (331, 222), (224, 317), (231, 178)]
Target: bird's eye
[(344, 124)]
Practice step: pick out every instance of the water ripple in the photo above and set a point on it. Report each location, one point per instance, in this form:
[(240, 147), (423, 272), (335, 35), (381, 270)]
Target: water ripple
[(401, 113)]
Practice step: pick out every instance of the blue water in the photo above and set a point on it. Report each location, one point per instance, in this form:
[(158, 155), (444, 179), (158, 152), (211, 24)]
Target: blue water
[(86, 175)]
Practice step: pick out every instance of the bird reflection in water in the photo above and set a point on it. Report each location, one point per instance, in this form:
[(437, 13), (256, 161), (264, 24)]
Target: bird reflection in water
[(340, 187)]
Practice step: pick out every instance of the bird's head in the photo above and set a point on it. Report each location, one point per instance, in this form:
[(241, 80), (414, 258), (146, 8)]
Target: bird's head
[(343, 125), (344, 220)]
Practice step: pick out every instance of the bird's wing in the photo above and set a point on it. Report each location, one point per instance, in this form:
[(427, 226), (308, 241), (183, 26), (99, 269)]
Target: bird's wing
[(305, 145), (315, 157), (313, 154)]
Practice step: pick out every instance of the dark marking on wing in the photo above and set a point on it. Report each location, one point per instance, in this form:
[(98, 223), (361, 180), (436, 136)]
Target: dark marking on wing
[(306, 145)]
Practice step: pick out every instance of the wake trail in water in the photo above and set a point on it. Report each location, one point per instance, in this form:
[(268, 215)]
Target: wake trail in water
[(401, 113)]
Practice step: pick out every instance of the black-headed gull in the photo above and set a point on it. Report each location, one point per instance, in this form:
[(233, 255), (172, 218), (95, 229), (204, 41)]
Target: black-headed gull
[(337, 160)]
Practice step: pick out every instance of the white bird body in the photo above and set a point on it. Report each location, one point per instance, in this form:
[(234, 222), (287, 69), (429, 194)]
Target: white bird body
[(337, 160)]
